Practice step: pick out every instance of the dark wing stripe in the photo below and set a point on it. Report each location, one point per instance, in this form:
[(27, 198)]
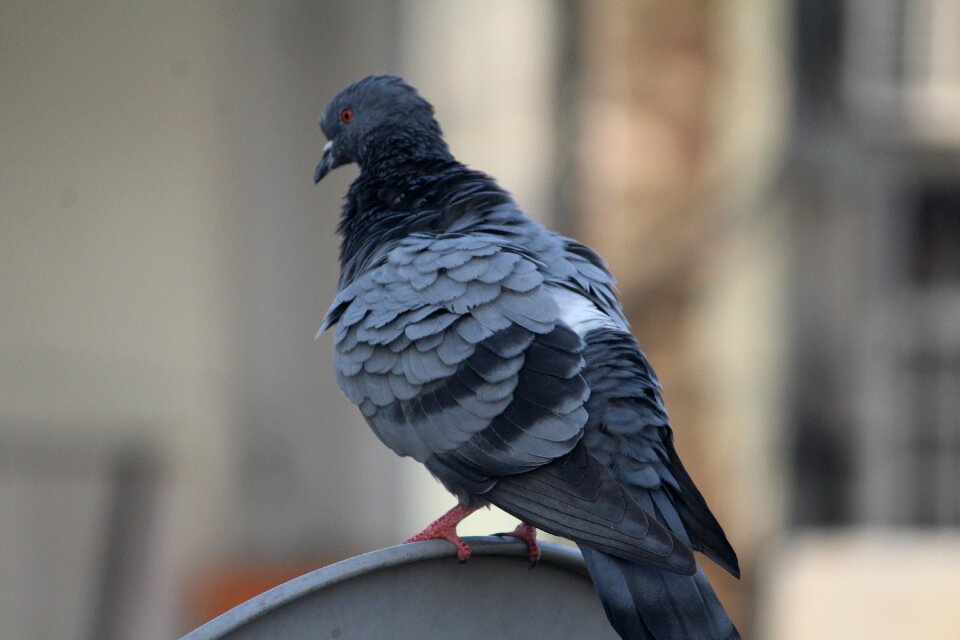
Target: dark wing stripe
[(546, 360), (412, 414), (485, 390), (527, 442), (493, 369), (501, 457), (560, 394), (567, 340), (508, 342), (523, 415), (539, 419), (542, 421), (445, 425), (477, 396)]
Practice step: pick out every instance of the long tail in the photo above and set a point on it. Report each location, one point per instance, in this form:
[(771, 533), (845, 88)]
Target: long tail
[(643, 602)]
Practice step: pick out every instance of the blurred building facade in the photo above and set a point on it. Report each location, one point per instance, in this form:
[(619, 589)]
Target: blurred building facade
[(873, 179), (774, 184)]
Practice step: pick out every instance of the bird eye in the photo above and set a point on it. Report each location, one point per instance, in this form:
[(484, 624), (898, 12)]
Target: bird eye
[(346, 115)]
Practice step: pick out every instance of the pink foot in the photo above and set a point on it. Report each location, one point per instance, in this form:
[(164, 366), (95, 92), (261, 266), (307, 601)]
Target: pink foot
[(527, 533), (445, 528)]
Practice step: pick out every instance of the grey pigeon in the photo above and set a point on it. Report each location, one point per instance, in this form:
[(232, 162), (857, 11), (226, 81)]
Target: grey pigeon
[(496, 353)]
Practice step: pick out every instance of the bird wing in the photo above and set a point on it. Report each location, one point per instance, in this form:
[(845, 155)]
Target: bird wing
[(452, 349), (458, 355)]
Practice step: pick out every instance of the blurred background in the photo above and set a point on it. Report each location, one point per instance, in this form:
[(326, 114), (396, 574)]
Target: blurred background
[(775, 183)]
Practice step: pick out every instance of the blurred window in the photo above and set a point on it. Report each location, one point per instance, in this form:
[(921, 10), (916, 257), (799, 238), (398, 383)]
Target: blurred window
[(877, 162), (902, 67), (931, 360)]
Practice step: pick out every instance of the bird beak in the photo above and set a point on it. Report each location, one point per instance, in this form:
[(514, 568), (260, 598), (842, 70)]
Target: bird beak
[(326, 163)]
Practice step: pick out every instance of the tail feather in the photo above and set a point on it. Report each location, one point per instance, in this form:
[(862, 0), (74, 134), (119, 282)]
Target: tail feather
[(644, 602)]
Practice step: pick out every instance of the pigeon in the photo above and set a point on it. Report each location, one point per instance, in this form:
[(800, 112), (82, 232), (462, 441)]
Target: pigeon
[(496, 353)]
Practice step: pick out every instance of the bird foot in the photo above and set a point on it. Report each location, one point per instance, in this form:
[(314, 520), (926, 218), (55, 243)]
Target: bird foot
[(445, 528), (527, 533)]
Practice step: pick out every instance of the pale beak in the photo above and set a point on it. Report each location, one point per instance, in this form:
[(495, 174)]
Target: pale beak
[(326, 163)]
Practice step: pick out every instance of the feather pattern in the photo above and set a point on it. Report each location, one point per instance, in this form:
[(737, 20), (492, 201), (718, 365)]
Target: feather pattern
[(485, 377)]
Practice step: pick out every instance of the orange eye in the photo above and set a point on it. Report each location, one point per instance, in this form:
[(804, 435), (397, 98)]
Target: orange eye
[(346, 115)]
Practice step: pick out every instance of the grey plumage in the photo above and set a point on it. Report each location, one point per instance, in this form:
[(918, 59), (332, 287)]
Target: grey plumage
[(496, 353)]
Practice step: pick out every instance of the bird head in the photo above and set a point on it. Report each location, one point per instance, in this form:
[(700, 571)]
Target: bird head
[(373, 115)]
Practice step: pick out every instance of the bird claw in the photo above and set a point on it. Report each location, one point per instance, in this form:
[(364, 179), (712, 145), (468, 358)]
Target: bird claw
[(528, 534), (445, 528), (450, 535)]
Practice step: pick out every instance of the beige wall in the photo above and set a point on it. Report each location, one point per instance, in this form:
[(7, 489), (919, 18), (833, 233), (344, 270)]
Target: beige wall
[(866, 583), (165, 261)]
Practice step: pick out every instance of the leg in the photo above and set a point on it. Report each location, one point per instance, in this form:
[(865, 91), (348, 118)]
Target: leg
[(527, 533), (445, 528)]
